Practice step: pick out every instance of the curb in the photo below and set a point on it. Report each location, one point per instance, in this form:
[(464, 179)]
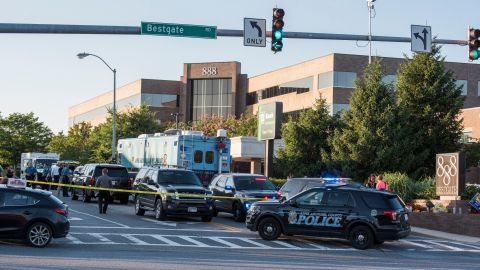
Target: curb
[(445, 235)]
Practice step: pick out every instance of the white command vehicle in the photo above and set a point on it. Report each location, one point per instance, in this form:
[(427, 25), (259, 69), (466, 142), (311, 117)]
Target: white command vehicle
[(39, 160)]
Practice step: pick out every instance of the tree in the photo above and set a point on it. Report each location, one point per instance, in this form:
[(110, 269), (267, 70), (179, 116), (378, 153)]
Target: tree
[(430, 103), (130, 123), (21, 133), (75, 145), (307, 149), (245, 125), (366, 141)]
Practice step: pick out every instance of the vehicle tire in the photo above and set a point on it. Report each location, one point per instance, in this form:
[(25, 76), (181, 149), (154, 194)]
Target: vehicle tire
[(139, 211), (39, 234), (159, 212), (361, 237), (269, 228), (74, 195), (207, 218), (124, 200), (238, 213)]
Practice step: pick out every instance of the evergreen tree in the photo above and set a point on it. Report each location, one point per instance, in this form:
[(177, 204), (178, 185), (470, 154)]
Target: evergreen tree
[(365, 142), (307, 149), (430, 103), (75, 145)]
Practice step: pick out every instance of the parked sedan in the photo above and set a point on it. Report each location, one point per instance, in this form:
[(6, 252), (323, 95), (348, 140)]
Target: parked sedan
[(34, 215)]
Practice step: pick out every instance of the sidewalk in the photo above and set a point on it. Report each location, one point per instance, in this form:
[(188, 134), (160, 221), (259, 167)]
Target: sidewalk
[(445, 235)]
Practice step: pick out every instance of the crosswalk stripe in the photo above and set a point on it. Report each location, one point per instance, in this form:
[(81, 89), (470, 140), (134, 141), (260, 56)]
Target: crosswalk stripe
[(165, 240), (312, 244), (253, 242), (134, 239), (221, 241), (100, 237), (193, 241), (443, 245), (74, 239), (415, 244), (462, 244), (285, 244)]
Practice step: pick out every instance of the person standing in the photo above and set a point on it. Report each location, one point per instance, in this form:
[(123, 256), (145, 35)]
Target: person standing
[(104, 181), (381, 185), (10, 172), (30, 173), (55, 175), (66, 172), (371, 182), (46, 177)]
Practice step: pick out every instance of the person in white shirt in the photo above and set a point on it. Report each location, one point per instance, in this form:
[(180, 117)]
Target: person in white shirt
[(55, 174)]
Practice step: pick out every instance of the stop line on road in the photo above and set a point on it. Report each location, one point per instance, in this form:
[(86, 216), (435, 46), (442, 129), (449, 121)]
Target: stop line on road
[(256, 243)]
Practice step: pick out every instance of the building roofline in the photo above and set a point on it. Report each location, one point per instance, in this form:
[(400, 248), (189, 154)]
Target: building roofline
[(218, 62)]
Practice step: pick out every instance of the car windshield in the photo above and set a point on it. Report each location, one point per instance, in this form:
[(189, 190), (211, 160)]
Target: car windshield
[(178, 178), (253, 183), (43, 163)]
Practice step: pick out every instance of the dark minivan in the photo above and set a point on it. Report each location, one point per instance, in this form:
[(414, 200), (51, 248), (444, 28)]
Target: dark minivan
[(118, 174)]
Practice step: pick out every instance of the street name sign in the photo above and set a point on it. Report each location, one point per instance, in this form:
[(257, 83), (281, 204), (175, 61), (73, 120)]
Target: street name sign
[(178, 30), (421, 38), (254, 32)]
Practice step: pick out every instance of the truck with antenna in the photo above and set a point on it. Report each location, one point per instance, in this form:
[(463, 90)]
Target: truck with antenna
[(186, 149)]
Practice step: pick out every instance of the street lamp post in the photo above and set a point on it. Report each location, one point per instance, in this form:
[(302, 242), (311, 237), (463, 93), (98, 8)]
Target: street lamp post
[(176, 118), (114, 119)]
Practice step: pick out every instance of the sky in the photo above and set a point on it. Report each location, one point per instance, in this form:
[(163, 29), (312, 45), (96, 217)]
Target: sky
[(40, 73)]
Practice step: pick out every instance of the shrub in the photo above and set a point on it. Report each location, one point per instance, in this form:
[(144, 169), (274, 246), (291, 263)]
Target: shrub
[(470, 191), (409, 189)]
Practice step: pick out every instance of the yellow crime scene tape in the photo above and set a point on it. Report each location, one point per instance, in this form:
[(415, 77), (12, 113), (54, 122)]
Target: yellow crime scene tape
[(143, 192)]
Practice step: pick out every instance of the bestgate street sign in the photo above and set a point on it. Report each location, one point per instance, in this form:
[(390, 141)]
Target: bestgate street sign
[(178, 30)]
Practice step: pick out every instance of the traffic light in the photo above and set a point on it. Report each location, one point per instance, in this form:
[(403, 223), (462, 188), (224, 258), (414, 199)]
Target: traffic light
[(473, 44), (277, 29)]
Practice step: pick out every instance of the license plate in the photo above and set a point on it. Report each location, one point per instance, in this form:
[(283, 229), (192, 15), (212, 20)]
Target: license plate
[(192, 209)]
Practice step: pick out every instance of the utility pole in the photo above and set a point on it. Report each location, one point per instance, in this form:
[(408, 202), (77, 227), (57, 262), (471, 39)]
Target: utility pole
[(371, 8)]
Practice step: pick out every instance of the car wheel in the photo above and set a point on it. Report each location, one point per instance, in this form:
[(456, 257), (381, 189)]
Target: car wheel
[(269, 229), (215, 212), (207, 218), (139, 211), (361, 237), (39, 234), (238, 213), (74, 195), (159, 212)]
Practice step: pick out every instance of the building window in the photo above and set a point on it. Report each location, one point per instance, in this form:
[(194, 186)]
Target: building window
[(478, 88), (466, 137), (160, 100), (389, 79), (198, 156), (464, 85), (298, 86), (211, 97), (337, 79), (209, 157)]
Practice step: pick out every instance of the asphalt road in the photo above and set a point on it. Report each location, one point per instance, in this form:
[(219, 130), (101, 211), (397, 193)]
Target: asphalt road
[(122, 240)]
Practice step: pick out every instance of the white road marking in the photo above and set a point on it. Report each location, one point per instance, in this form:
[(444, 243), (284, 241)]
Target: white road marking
[(74, 239), (119, 224), (462, 244), (165, 240), (134, 239), (443, 245), (253, 242), (285, 244), (415, 244), (221, 241), (308, 242), (101, 237), (193, 241), (154, 228), (165, 223), (75, 219)]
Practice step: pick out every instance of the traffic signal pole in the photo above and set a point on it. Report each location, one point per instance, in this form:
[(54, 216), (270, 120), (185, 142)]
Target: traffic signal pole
[(15, 28)]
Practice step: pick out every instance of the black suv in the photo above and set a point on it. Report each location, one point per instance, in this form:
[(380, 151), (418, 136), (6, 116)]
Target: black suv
[(171, 192), (32, 214), (118, 174), (239, 191), (362, 216)]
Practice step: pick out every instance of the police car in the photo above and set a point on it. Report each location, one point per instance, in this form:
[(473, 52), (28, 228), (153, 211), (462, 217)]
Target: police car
[(362, 216), (34, 215)]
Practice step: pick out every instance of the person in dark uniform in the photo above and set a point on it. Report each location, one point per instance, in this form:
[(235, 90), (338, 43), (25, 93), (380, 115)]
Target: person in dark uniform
[(103, 196), (66, 172), (46, 177), (30, 173)]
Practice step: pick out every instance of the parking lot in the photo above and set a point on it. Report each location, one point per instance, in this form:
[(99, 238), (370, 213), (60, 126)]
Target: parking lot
[(95, 240)]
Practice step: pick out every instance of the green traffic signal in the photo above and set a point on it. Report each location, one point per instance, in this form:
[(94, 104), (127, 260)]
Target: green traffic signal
[(277, 45), (474, 55), (278, 34)]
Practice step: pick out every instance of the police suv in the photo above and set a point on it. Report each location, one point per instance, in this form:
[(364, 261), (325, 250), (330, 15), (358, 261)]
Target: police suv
[(362, 216)]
